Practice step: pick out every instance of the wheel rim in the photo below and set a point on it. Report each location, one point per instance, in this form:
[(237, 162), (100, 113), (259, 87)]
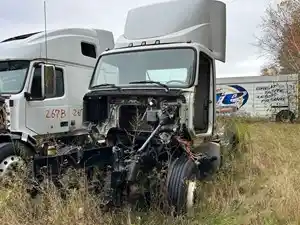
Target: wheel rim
[(191, 196), (286, 120), (286, 117), (9, 164)]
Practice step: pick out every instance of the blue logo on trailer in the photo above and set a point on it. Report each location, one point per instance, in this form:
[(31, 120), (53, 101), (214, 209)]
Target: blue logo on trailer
[(232, 95)]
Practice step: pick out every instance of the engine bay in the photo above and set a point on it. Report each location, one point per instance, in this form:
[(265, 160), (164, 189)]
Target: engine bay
[(132, 113)]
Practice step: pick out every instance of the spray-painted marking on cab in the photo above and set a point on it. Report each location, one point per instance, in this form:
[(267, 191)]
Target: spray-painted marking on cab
[(77, 112), (61, 113), (55, 113)]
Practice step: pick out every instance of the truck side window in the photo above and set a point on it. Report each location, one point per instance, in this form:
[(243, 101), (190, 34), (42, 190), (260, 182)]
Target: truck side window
[(88, 50), (36, 87)]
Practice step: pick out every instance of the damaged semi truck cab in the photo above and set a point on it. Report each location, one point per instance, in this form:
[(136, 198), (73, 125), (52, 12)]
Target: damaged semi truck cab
[(177, 51), (149, 99)]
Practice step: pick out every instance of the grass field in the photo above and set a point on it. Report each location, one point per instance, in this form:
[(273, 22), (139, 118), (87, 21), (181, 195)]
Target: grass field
[(259, 184)]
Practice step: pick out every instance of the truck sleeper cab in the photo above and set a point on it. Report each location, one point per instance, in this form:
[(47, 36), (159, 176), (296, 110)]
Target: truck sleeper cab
[(43, 81)]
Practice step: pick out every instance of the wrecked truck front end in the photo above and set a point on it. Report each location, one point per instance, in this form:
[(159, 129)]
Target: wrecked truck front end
[(150, 98), (135, 125)]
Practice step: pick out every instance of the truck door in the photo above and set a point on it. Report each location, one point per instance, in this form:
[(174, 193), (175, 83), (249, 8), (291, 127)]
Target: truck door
[(46, 106)]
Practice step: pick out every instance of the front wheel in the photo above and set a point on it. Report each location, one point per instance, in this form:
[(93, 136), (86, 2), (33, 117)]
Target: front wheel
[(12, 156), (181, 185)]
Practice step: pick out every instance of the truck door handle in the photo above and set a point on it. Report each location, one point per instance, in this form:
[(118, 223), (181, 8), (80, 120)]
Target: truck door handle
[(64, 123), (206, 104)]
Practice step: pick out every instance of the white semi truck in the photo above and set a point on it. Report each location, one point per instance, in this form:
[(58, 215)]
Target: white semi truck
[(43, 78), (270, 97), (156, 86)]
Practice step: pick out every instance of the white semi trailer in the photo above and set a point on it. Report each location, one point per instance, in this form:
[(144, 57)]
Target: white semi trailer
[(37, 102), (269, 97)]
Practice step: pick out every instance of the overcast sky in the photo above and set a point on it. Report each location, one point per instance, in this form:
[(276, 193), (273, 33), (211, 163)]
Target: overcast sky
[(243, 17)]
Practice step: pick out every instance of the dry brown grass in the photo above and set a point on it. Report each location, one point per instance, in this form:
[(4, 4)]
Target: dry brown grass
[(259, 184)]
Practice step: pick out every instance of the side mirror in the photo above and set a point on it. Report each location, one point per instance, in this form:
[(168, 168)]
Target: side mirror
[(27, 96), (48, 81)]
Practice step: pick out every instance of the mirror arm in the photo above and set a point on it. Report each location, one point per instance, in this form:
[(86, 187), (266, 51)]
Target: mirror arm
[(27, 96), (43, 79)]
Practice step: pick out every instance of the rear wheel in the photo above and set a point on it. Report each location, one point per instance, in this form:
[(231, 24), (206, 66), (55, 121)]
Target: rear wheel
[(181, 185), (285, 116)]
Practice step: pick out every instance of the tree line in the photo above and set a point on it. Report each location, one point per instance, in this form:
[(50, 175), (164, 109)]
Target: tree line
[(280, 38)]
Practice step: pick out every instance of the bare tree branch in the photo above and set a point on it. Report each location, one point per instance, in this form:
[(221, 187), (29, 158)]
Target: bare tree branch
[(280, 38)]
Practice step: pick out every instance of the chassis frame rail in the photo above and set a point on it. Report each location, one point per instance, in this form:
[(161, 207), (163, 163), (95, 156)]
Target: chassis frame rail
[(80, 159)]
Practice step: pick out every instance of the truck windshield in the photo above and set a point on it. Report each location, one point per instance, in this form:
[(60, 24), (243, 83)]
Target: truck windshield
[(12, 75), (174, 67)]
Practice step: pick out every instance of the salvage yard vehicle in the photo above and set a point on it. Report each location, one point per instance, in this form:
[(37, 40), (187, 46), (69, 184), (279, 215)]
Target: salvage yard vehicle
[(34, 104), (268, 97), (149, 99)]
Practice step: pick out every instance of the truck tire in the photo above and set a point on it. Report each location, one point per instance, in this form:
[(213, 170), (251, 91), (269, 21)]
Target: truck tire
[(12, 154), (285, 116), (181, 185)]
